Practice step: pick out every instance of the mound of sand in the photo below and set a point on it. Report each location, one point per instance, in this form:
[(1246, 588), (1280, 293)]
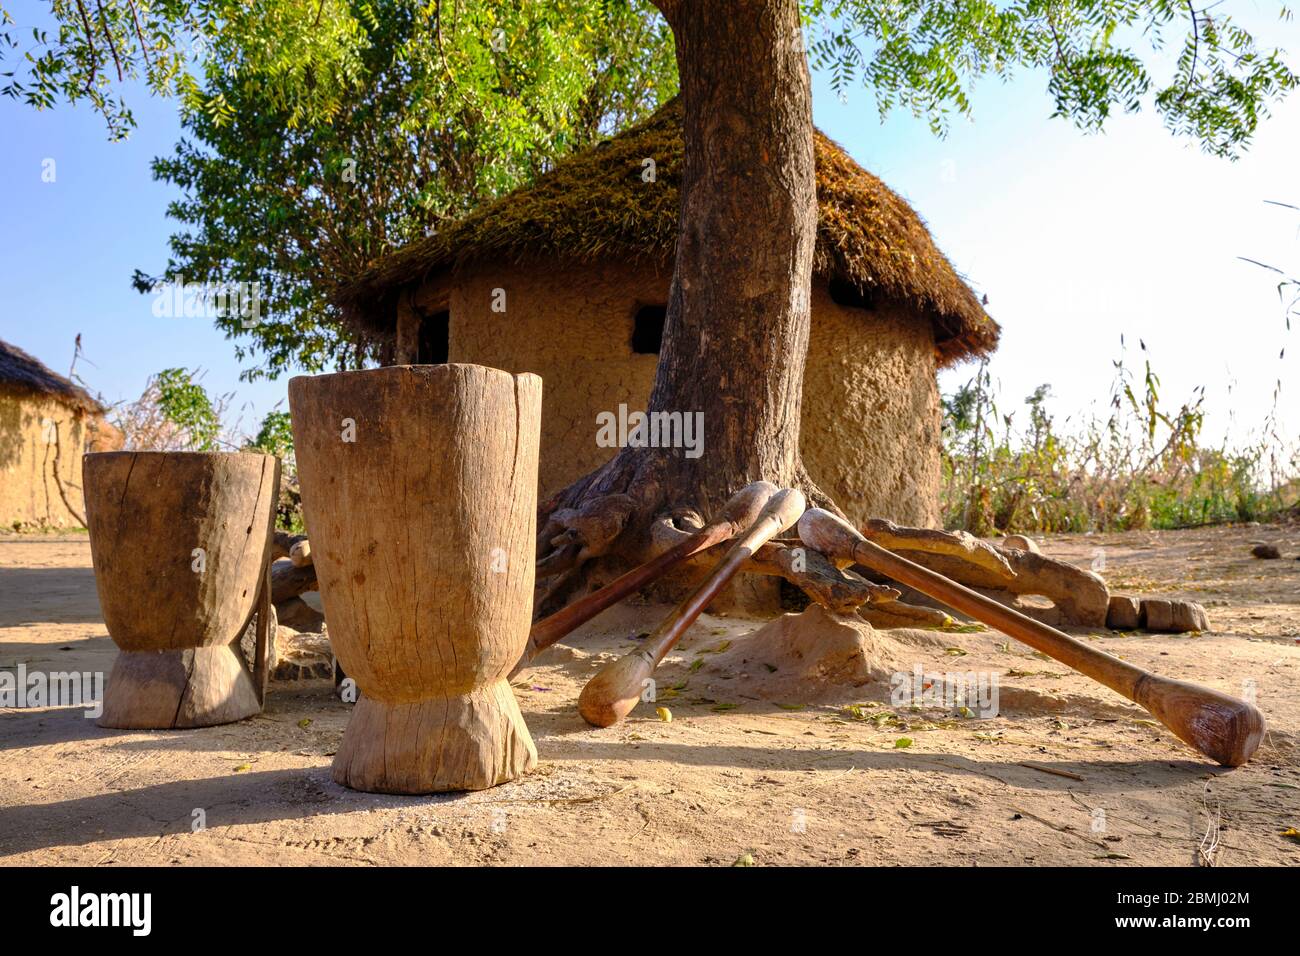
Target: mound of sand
[(811, 656), (818, 656)]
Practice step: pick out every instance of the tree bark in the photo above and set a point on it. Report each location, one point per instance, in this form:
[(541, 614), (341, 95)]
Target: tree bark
[(736, 333)]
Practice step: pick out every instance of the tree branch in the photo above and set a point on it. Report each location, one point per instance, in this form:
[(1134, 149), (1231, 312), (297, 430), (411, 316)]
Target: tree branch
[(1196, 52), (58, 480), (139, 34), (108, 37), (90, 44)]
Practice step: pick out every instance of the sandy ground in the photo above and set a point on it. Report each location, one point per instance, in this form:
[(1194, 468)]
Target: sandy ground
[(1066, 773)]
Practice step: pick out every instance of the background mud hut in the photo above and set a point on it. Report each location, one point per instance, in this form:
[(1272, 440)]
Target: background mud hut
[(569, 277), (46, 424)]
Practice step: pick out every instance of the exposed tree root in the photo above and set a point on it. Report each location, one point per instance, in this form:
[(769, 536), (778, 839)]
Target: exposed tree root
[(645, 501), (959, 545), (641, 503), (810, 571)]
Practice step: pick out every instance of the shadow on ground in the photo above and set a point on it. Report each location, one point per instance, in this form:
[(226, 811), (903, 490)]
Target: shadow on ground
[(48, 596), (168, 808)]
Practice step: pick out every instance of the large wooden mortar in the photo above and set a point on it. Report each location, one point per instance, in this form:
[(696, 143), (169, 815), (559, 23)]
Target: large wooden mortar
[(181, 543), (419, 489)]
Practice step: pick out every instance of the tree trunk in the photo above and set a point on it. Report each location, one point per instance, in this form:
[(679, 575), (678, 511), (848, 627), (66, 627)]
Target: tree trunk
[(736, 334)]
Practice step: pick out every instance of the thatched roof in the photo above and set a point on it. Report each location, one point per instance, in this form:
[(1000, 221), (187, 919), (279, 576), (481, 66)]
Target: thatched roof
[(594, 205), (22, 372)]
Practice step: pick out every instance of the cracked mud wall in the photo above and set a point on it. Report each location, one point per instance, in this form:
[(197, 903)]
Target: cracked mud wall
[(29, 493), (572, 325), (870, 427), (871, 414)]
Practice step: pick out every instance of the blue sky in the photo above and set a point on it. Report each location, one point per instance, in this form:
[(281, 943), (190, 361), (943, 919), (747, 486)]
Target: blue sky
[(68, 250), (1076, 240)]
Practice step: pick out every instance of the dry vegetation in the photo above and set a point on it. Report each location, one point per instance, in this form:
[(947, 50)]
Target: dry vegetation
[(1144, 464)]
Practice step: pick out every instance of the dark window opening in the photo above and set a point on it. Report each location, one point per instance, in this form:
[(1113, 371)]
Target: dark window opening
[(648, 329), (434, 341), (846, 293)]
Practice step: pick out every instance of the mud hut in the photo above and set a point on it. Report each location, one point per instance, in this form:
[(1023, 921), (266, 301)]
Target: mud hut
[(46, 424), (568, 277)]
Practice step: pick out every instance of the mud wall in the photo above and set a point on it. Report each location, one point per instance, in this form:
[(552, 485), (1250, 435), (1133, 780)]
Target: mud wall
[(870, 430), (871, 416), (29, 424), (573, 327)]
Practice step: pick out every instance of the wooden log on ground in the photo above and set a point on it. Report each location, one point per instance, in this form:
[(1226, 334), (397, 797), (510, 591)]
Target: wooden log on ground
[(444, 459), (1163, 616), (283, 543), (900, 614), (1021, 542), (295, 547), (1223, 728), (956, 544), (180, 543), (289, 580), (1080, 597), (297, 614), (1124, 613)]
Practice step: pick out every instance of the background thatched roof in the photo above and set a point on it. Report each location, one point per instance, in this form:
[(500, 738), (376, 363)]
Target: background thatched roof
[(22, 372), (595, 205)]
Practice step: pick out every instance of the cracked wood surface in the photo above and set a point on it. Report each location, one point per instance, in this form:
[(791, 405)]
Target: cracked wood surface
[(442, 463)]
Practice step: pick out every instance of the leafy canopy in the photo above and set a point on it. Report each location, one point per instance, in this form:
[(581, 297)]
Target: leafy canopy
[(275, 436), (309, 49), (451, 106), (320, 134), (186, 405), (923, 55)]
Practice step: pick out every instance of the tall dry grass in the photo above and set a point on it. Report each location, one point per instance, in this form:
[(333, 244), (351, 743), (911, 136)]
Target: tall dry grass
[(1143, 464)]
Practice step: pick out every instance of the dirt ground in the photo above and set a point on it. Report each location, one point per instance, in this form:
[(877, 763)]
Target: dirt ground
[(1066, 773)]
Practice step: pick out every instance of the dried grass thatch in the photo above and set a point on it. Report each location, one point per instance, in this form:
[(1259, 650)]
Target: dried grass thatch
[(594, 205), (20, 372)]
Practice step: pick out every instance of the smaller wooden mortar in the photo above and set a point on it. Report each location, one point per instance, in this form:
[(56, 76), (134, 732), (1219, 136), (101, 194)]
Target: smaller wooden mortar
[(181, 543)]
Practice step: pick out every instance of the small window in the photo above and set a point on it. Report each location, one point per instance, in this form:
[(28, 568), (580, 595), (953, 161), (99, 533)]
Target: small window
[(648, 329), (434, 340), (846, 293)]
